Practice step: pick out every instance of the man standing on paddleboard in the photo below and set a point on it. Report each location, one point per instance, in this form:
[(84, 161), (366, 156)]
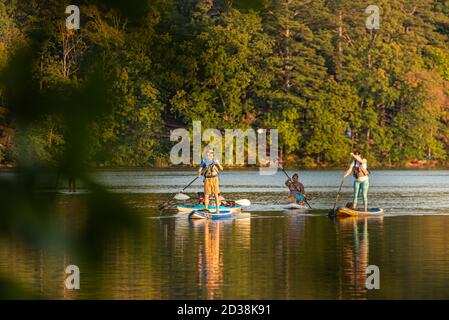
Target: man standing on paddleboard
[(209, 169), (359, 169)]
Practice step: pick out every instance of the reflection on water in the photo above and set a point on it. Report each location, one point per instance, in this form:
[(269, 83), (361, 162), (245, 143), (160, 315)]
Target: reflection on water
[(210, 261), (259, 254), (254, 256), (354, 252)]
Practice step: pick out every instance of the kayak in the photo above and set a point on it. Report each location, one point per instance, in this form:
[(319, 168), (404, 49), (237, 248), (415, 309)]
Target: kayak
[(199, 214), (346, 212), (293, 206), (187, 208)]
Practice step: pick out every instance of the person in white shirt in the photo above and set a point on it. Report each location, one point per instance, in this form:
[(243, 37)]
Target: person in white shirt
[(359, 169)]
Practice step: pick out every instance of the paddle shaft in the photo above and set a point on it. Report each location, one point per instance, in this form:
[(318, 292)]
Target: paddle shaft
[(296, 187), (168, 201), (189, 184), (338, 193)]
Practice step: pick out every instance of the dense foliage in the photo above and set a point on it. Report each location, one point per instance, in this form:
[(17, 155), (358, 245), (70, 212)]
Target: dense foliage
[(311, 69)]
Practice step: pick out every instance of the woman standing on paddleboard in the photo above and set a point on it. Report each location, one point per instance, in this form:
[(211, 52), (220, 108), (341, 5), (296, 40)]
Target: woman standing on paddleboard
[(359, 169), (209, 170)]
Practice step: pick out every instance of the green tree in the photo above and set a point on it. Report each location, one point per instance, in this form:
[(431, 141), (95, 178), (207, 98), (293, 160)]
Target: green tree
[(227, 80)]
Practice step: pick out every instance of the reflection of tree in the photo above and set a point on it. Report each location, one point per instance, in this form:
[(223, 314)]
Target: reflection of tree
[(355, 254), (210, 260)]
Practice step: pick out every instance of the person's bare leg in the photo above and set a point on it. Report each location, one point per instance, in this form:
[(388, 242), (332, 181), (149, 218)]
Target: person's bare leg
[(217, 203), (206, 201)]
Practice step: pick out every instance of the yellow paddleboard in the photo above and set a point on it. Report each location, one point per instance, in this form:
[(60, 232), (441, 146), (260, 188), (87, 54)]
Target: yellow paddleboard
[(346, 212)]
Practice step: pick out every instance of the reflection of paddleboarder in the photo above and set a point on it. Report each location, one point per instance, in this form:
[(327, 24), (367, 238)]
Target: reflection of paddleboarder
[(210, 261), (355, 255), (72, 183)]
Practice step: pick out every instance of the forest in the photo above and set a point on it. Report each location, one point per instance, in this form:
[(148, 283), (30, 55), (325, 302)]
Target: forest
[(110, 92)]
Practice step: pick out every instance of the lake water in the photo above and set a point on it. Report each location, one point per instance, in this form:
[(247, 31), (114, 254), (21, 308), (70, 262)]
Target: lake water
[(265, 252)]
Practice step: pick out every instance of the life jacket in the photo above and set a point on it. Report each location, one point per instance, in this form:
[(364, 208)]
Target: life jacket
[(358, 170), (209, 170)]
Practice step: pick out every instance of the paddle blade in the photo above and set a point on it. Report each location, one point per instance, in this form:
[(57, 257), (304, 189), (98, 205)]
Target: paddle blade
[(181, 196), (162, 206), (244, 202)]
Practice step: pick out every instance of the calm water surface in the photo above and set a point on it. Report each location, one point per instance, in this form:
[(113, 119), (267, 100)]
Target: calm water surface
[(265, 252)]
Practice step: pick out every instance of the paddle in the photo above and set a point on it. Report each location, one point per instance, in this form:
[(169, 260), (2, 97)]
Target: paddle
[(338, 196), (178, 196), (296, 187), (243, 202)]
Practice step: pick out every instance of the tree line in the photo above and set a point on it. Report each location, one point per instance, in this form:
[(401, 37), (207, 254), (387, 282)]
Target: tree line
[(113, 89)]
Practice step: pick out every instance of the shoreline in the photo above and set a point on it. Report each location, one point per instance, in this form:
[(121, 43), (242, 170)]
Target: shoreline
[(288, 167)]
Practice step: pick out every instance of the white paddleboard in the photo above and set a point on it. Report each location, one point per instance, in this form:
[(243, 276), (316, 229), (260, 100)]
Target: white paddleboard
[(292, 206)]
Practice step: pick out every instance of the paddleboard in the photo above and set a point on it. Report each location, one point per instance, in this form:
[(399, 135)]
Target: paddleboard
[(346, 212), (187, 208), (66, 192), (198, 214), (292, 206)]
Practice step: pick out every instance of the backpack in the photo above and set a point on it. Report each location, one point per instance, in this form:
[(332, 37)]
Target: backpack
[(357, 170)]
